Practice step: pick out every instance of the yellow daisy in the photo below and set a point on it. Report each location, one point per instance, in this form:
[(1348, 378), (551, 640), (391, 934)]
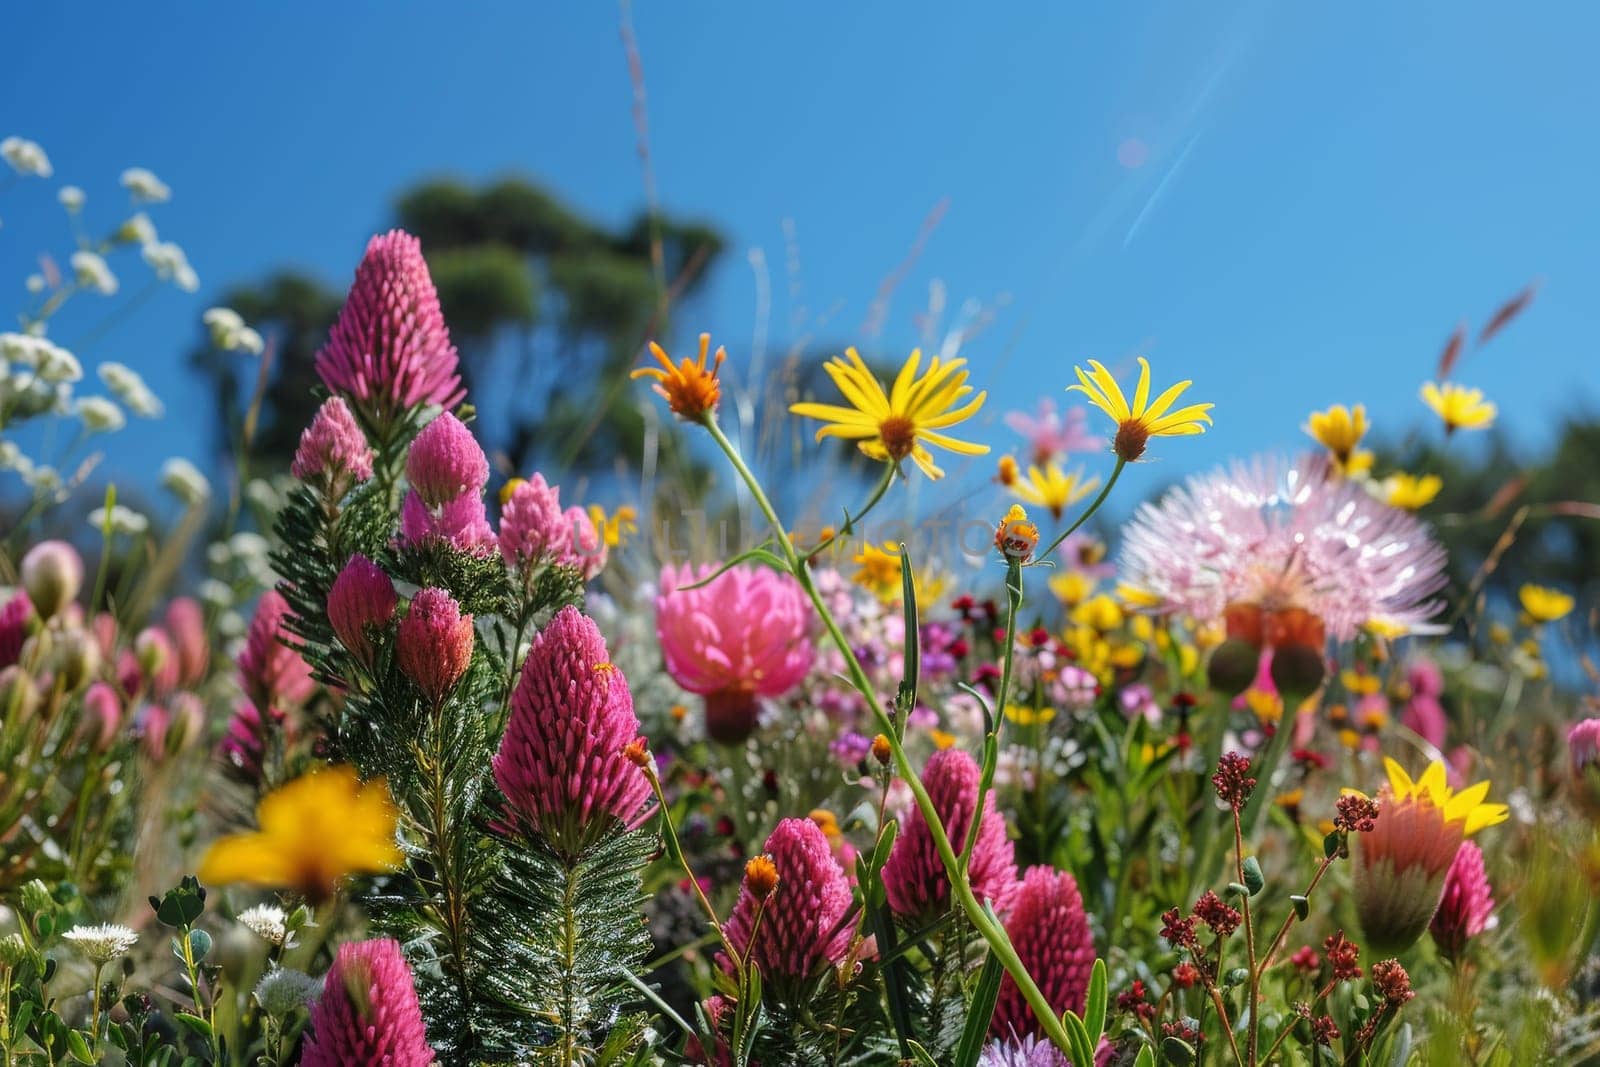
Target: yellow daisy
[(1053, 488), (878, 570), (315, 831), (1143, 419), (1466, 806), (614, 528), (1339, 429), (1543, 604), (904, 421), (1411, 491), (1460, 408)]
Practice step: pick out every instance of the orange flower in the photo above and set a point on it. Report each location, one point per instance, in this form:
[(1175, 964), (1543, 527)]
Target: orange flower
[(690, 390)]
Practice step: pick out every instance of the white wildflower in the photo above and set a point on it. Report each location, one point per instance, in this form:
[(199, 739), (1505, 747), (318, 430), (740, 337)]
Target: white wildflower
[(131, 389), (71, 198), (35, 283), (249, 545), (217, 594), (42, 479), (100, 415), (184, 481), (283, 990), (11, 457), (267, 922), (26, 157), (171, 265), (218, 553), (92, 273), (19, 348), (230, 624), (145, 186), (103, 943), (138, 229), (124, 520), (55, 364), (229, 332)]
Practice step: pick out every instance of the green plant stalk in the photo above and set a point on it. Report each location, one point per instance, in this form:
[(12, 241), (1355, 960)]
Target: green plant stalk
[(850, 520), (1094, 506), (191, 966), (94, 1012), (991, 745), (989, 930)]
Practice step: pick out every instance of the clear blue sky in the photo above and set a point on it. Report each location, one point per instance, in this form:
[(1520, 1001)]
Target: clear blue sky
[(1324, 190)]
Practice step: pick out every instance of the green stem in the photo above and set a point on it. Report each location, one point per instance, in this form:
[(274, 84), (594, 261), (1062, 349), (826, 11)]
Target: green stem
[(989, 930), (991, 744), (850, 520), (1094, 506)]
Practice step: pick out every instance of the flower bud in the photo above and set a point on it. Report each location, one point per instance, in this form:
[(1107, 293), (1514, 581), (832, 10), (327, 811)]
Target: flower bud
[(1233, 666), (761, 877), (361, 602), (158, 660), (16, 620), (19, 697), (102, 710), (75, 658), (1297, 671), (52, 573), (445, 462), (434, 646), (188, 721), (1583, 746)]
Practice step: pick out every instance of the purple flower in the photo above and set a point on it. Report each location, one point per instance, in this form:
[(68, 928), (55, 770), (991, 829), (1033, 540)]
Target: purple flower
[(1049, 436), (561, 764), (390, 351), (1027, 1051), (368, 1015)]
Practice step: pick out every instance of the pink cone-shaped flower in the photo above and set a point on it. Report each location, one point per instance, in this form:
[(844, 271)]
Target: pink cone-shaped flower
[(368, 1015), (533, 528), (1051, 934), (802, 926), (1583, 748), (158, 660), (1467, 905), (434, 646), (914, 877), (243, 750), (1424, 714), (742, 636), (333, 451), (52, 574), (186, 626), (390, 351), (584, 543), (272, 673), (462, 523), (14, 619), (361, 602), (561, 764), (102, 710), (446, 461)]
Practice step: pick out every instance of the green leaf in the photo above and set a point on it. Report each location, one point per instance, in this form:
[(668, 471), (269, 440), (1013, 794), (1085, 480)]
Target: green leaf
[(759, 554), (1078, 1037), (1253, 878), (1146, 1058), (979, 1011), (79, 1047), (199, 944), (893, 970), (1178, 1051), (1331, 844), (1302, 906), (198, 1026), (906, 698), (1094, 1011), (922, 1056)]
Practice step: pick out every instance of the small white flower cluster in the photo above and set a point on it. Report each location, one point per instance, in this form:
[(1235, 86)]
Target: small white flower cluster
[(229, 332), (123, 520), (103, 943), (100, 415), (283, 990), (92, 273), (127, 386), (47, 360), (145, 187), (267, 922), (240, 568), (171, 265), (26, 157), (184, 481), (71, 198)]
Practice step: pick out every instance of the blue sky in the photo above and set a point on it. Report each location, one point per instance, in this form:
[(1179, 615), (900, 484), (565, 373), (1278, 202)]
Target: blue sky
[(1292, 204)]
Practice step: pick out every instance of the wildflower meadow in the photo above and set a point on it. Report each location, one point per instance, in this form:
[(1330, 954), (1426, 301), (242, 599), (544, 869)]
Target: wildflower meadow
[(741, 710)]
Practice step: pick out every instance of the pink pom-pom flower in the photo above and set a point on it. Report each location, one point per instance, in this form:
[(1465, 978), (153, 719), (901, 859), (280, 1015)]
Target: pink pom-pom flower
[(434, 645), (361, 602), (1047, 926), (446, 462), (1467, 906), (368, 1015), (333, 451), (390, 350), (561, 764), (533, 528), (803, 923), (914, 878), (742, 636)]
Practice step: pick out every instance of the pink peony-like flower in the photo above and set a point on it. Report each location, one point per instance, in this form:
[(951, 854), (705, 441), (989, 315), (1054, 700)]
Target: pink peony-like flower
[(14, 619), (1467, 905), (446, 462), (803, 924), (390, 350), (533, 528), (361, 601), (914, 877), (561, 764), (272, 673), (434, 645), (1280, 539), (742, 636), (462, 523), (333, 451), (368, 1015), (186, 626), (1050, 436), (1047, 926)]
